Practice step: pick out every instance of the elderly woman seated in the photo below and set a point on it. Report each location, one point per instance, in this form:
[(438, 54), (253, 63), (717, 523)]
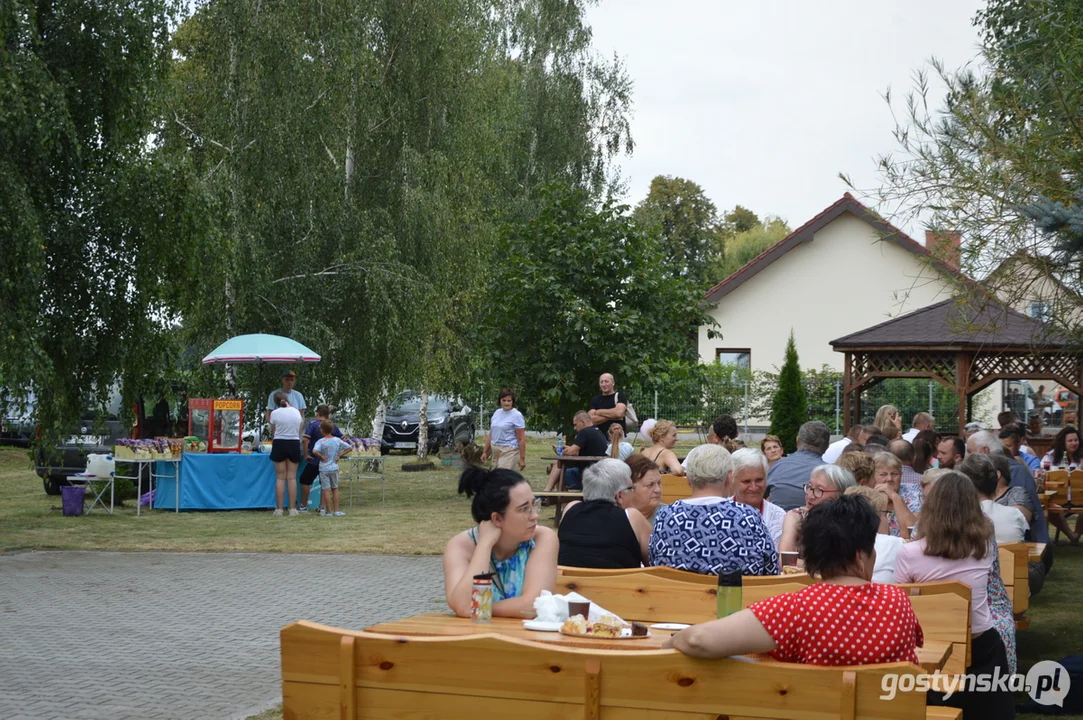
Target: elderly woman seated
[(843, 620), (826, 483), (905, 500), (750, 483), (646, 493), (709, 533), (598, 533)]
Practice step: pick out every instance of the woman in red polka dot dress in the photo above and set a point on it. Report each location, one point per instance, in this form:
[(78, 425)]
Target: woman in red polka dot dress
[(844, 620)]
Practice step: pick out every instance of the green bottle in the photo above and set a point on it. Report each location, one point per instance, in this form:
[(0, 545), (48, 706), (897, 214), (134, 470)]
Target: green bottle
[(729, 593)]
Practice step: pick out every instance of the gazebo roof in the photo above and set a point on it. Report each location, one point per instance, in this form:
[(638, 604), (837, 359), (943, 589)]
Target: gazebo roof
[(957, 323)]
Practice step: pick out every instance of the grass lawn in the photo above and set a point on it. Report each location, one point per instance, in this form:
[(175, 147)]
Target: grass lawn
[(422, 511)]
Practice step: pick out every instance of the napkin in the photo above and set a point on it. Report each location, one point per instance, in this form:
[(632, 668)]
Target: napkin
[(554, 608)]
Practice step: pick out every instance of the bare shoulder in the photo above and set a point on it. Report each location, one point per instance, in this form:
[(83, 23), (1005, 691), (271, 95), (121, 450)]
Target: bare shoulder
[(460, 544), (544, 536)]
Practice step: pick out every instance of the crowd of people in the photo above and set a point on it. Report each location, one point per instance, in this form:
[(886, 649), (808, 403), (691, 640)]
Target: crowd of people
[(876, 508)]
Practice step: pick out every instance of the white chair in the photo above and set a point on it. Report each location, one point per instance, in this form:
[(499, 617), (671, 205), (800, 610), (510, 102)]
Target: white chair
[(100, 476)]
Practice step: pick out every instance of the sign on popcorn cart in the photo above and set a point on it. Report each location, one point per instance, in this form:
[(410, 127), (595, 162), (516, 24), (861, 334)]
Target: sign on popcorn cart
[(217, 423)]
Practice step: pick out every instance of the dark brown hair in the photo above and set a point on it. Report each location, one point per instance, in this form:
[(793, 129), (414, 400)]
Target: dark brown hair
[(952, 523), (640, 465), (506, 392)]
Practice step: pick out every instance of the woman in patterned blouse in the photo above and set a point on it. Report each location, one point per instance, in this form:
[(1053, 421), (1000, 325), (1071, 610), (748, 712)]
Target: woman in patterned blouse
[(843, 620)]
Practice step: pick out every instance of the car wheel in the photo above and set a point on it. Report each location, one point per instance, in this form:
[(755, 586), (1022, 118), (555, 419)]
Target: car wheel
[(53, 484), (384, 450)]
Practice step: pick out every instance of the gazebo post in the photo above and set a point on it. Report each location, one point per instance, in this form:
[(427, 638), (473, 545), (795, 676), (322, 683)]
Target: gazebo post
[(846, 395), (962, 388)]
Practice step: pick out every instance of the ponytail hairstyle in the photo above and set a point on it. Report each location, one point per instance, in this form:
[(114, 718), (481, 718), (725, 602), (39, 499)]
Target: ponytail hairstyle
[(491, 490), (281, 400)]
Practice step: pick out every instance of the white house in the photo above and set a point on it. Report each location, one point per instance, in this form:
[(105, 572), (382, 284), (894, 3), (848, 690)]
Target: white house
[(844, 270)]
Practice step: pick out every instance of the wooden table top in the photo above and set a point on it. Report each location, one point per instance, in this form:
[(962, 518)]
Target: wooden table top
[(931, 657), (1035, 550)]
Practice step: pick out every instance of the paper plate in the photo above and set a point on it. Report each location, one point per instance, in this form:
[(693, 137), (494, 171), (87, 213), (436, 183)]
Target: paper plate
[(542, 626), (669, 626), (629, 636)]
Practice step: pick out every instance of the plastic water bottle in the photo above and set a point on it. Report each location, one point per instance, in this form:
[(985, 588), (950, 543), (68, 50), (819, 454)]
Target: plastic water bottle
[(560, 444)]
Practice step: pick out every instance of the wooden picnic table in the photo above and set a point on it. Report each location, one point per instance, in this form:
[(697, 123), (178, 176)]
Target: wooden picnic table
[(563, 461), (932, 657), (1034, 551)]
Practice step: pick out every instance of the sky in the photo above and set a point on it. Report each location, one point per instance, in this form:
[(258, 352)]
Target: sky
[(764, 103)]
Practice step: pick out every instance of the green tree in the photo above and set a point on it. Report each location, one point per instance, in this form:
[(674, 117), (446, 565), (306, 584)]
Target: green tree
[(577, 293), (1006, 137), (739, 220), (789, 406), (745, 245), (101, 232), (687, 220), (362, 158)]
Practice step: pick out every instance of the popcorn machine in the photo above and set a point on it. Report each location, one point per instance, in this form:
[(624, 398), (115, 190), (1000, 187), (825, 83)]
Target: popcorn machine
[(217, 423)]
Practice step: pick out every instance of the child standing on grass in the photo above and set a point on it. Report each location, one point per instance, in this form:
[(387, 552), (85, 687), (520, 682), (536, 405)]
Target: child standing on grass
[(328, 450)]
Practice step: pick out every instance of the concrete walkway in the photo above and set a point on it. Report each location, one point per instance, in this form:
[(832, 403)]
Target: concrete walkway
[(179, 635)]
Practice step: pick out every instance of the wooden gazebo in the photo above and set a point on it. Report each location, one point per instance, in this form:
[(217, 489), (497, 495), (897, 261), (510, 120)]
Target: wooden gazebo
[(964, 345)]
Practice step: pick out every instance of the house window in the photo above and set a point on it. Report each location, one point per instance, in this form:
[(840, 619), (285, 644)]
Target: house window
[(738, 357), (1040, 310)]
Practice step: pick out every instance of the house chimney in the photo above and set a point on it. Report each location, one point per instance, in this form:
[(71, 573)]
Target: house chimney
[(945, 247)]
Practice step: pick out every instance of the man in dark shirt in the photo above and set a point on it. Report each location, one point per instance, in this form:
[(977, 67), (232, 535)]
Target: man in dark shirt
[(788, 477), (589, 441), (609, 407)]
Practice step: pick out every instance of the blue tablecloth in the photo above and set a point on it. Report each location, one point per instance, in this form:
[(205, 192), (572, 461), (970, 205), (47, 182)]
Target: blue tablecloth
[(217, 482)]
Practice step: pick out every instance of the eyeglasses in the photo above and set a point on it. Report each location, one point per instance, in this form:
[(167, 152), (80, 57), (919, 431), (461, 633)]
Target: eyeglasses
[(816, 492), (533, 507), (630, 488)]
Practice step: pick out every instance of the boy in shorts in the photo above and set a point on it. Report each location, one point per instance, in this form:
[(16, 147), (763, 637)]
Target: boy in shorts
[(328, 450), (309, 439)]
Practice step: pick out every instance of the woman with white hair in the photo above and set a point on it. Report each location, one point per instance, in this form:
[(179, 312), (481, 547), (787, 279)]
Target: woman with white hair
[(597, 533), (708, 533), (825, 483), (749, 485)]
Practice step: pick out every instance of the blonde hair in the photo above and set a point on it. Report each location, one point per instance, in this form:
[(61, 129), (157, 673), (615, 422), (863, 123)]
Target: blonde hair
[(952, 522), (860, 465), (661, 429), (885, 416), (770, 438), (886, 459), (877, 499)]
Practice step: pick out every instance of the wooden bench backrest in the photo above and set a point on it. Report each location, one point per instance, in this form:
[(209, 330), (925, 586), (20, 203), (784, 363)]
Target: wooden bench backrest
[(1015, 573), (942, 609), (656, 571), (1056, 477), (644, 597), (333, 673), (675, 487)]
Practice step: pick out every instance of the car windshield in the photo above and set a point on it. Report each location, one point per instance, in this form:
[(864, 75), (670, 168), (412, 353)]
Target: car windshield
[(412, 401)]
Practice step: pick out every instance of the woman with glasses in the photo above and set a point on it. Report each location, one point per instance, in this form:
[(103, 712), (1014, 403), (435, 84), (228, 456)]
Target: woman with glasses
[(826, 483), (708, 533), (646, 493), (507, 542), (597, 532)]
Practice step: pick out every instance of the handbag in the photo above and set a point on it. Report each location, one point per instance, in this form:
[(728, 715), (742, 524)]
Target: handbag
[(630, 418)]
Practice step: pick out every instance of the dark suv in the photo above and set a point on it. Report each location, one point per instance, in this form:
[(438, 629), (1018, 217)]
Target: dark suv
[(91, 435), (450, 423)]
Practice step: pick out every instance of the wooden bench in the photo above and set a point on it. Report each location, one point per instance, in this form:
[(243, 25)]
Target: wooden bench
[(645, 597), (655, 571), (562, 497), (1015, 573), (674, 488), (330, 673)]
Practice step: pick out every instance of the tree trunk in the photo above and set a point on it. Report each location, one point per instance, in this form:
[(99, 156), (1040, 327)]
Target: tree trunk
[(380, 416), (423, 427)]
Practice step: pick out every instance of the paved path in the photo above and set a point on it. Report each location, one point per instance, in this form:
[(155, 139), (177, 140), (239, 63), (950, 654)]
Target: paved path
[(179, 635)]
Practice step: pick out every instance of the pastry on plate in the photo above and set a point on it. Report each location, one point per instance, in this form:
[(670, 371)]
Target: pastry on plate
[(607, 626), (576, 625)]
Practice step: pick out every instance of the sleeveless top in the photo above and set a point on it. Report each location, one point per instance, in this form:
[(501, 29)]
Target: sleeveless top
[(510, 574), (598, 534)]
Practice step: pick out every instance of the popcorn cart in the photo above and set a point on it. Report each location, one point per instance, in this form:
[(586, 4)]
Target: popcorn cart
[(217, 423)]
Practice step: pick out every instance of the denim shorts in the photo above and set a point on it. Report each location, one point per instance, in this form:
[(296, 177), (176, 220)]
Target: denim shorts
[(329, 480)]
